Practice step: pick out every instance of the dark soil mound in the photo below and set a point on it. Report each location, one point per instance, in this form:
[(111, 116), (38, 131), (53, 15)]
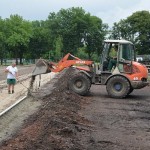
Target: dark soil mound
[(58, 123)]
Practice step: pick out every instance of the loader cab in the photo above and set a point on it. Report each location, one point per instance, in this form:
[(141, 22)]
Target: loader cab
[(124, 56)]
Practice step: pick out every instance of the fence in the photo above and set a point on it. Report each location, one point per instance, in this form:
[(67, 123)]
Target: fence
[(148, 67), (24, 61)]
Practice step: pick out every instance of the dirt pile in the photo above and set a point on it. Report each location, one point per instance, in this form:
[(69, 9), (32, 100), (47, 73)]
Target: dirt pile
[(57, 125), (31, 85)]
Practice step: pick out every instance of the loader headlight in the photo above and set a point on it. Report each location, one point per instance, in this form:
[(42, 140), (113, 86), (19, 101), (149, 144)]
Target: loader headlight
[(135, 78)]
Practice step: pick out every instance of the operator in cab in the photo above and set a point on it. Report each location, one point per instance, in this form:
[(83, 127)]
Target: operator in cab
[(113, 58)]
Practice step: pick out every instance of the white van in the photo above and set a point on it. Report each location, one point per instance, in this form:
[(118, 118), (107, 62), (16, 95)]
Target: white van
[(138, 59)]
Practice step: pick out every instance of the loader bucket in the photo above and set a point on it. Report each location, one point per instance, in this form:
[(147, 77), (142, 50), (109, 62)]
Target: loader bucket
[(41, 67)]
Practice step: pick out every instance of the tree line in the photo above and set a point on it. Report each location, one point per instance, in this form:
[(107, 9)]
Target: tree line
[(69, 31)]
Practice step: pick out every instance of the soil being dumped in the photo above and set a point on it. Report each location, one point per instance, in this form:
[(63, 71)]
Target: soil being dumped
[(57, 123), (31, 85)]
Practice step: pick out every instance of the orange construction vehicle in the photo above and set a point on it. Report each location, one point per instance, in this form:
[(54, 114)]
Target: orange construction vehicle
[(124, 75), (43, 66)]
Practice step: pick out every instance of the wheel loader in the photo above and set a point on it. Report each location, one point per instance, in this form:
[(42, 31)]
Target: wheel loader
[(125, 75)]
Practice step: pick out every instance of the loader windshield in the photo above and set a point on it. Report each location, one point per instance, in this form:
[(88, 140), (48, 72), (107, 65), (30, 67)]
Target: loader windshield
[(127, 52)]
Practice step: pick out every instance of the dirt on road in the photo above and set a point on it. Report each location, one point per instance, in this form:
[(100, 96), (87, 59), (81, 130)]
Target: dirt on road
[(67, 121)]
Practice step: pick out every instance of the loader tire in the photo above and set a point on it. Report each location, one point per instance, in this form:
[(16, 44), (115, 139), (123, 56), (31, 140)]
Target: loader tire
[(118, 87), (79, 83)]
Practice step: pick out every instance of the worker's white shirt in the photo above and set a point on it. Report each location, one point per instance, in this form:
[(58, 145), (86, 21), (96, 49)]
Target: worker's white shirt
[(13, 71)]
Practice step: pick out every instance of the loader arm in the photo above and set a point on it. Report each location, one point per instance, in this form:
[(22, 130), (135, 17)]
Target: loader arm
[(42, 66)]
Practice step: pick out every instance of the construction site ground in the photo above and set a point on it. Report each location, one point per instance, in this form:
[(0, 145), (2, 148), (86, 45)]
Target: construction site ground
[(22, 86), (63, 120)]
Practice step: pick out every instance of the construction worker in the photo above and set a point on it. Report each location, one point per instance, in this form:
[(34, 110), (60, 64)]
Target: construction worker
[(113, 58), (12, 74)]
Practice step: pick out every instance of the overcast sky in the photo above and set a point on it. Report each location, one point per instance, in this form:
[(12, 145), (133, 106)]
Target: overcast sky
[(109, 11)]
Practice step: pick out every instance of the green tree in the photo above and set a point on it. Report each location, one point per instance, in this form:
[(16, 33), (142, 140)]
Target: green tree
[(93, 35), (76, 29), (135, 28), (58, 48), (52, 25), (18, 35), (2, 41), (140, 26), (73, 26), (38, 45)]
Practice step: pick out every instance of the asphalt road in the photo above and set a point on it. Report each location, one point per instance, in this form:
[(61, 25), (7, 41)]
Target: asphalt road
[(120, 124)]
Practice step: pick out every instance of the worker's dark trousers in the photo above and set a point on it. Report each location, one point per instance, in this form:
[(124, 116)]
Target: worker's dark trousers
[(112, 63)]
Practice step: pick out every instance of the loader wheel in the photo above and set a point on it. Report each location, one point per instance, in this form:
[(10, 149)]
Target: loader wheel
[(80, 84), (118, 87)]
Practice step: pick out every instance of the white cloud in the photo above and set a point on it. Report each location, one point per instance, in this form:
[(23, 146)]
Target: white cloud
[(109, 11), (122, 10)]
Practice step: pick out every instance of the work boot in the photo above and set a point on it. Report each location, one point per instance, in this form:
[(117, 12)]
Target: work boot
[(12, 91)]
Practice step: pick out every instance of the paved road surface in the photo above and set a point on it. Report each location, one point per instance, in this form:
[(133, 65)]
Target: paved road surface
[(121, 124), (21, 88)]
